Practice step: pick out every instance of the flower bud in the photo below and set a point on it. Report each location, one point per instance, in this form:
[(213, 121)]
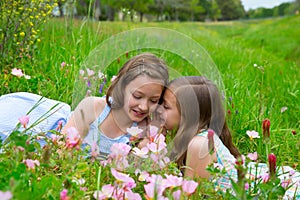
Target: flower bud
[(266, 129), (272, 164)]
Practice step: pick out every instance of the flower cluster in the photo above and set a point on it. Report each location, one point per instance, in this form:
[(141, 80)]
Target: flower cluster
[(21, 21), (93, 82)]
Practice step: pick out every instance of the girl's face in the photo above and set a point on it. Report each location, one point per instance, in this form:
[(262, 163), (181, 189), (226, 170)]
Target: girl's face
[(141, 97), (171, 114)]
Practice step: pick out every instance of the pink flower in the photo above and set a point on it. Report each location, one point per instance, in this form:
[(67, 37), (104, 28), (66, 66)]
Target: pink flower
[(63, 64), (142, 153), (125, 178), (73, 137), (154, 190), (176, 195), (143, 176), (253, 134), (5, 195), (105, 193), (247, 186), (134, 131), (158, 144), (81, 72), (132, 196), (63, 194), (119, 150), (59, 125), (17, 72), (156, 185), (24, 120), (31, 163), (189, 187), (285, 183), (252, 156), (113, 78), (173, 181), (20, 148), (265, 177), (90, 72), (95, 150), (153, 130)]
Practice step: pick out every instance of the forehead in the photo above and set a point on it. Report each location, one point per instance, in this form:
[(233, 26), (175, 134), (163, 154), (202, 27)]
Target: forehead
[(169, 97), (145, 84)]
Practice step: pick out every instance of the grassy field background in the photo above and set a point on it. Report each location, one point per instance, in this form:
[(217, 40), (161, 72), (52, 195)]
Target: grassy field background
[(252, 93)]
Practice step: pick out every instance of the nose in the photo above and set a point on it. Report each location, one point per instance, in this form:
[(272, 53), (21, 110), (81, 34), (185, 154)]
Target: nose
[(143, 105)]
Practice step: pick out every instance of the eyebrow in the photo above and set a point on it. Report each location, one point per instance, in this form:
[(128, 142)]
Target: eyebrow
[(141, 93)]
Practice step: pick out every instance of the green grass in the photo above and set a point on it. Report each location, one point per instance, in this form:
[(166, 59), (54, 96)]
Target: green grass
[(273, 44)]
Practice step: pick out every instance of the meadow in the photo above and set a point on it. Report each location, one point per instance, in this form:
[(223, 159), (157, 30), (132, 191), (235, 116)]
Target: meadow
[(259, 62)]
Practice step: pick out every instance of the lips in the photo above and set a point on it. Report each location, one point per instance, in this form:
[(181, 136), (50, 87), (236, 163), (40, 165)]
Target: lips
[(138, 113)]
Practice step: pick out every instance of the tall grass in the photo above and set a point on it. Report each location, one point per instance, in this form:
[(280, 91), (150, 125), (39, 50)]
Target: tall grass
[(252, 93)]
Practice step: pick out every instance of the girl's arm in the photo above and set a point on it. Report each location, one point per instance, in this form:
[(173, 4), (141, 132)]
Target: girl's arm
[(198, 158), (84, 114)]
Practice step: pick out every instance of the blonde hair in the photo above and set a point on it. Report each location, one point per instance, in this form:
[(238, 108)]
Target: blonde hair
[(200, 106), (143, 64)]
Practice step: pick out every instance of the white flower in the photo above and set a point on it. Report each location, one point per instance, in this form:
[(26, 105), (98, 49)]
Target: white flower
[(134, 131), (253, 134), (283, 109), (142, 153)]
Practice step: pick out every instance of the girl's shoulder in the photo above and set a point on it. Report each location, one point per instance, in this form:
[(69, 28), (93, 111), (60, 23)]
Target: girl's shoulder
[(199, 146), (97, 103)]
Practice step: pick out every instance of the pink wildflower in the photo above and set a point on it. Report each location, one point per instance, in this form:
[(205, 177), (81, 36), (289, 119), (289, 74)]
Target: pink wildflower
[(119, 150), (63, 195), (63, 64), (285, 183), (265, 177), (142, 153), (132, 196), (134, 131), (5, 195), (121, 177), (59, 125), (253, 134), (73, 137), (189, 187), (24, 120), (81, 72), (113, 78), (247, 186), (176, 195), (17, 72), (95, 150), (252, 156), (31, 163), (90, 72), (173, 181), (105, 193)]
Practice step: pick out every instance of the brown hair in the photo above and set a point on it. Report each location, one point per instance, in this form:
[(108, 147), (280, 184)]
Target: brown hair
[(200, 106), (142, 64)]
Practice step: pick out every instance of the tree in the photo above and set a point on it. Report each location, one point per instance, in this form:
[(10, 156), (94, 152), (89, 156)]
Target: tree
[(231, 9), (142, 7)]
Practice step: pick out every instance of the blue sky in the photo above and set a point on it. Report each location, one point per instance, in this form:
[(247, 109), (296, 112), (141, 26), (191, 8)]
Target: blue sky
[(262, 3)]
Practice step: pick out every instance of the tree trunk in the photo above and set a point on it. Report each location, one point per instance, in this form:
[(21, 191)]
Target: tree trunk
[(110, 14), (97, 12), (141, 16)]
